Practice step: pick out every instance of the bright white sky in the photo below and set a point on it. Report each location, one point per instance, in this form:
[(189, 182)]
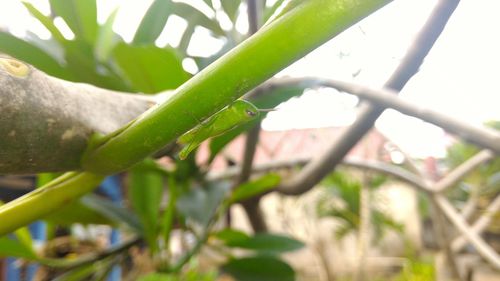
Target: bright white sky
[(459, 77)]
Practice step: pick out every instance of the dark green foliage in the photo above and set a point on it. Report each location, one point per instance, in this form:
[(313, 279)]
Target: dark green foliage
[(262, 268)]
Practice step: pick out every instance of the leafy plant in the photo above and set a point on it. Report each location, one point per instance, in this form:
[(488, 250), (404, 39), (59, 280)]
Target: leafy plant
[(346, 188), (160, 202)]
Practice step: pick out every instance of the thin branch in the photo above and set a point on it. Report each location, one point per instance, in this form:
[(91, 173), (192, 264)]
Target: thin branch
[(479, 225), (253, 15), (481, 136), (380, 167), (455, 176), (314, 172), (441, 231), (87, 259), (252, 206), (482, 248)]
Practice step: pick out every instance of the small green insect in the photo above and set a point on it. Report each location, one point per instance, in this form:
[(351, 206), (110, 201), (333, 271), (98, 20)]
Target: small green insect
[(234, 115)]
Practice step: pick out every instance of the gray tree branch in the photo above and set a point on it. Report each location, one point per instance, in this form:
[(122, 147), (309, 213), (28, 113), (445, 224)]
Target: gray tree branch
[(46, 122), (322, 165)]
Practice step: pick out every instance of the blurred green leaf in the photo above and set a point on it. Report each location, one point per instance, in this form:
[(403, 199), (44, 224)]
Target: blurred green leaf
[(267, 243), (200, 204), (80, 15), (12, 248), (145, 193), (256, 187), (113, 212), (150, 69), (262, 268), (195, 17), (106, 38), (83, 64), (269, 11), (231, 8), (46, 21), (77, 212), (229, 235), (31, 54), (23, 235), (153, 22), (94, 271)]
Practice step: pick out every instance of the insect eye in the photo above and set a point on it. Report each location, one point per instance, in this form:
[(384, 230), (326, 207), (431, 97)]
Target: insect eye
[(250, 113)]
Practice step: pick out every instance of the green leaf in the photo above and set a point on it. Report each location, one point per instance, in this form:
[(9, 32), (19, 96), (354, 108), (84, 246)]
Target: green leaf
[(31, 54), (262, 268), (113, 212), (12, 248), (195, 17), (77, 212), (106, 38), (83, 64), (46, 21), (231, 8), (200, 204), (229, 235), (150, 69), (256, 187), (145, 192), (80, 15), (271, 10), (267, 243), (153, 22)]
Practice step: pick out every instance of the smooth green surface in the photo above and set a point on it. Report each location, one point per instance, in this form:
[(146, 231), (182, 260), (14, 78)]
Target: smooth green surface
[(255, 187), (230, 7), (150, 69), (80, 15), (274, 47), (106, 38), (46, 21), (46, 199), (153, 22), (262, 268), (267, 243), (27, 52), (13, 248)]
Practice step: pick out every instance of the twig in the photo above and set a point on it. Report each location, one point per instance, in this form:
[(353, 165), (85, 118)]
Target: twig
[(380, 167), (455, 176), (90, 258), (482, 248), (479, 225), (441, 231), (321, 166)]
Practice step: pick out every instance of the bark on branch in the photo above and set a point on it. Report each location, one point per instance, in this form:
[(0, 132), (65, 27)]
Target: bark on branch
[(45, 122)]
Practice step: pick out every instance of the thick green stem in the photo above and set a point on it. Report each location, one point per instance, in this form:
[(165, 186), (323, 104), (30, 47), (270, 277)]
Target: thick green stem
[(274, 47), (46, 199)]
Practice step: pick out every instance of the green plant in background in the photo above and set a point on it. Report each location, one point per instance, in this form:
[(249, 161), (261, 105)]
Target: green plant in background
[(485, 179), (340, 200), (159, 201)]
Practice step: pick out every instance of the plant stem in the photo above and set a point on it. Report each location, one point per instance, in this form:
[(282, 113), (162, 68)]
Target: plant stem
[(274, 47), (46, 199)]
